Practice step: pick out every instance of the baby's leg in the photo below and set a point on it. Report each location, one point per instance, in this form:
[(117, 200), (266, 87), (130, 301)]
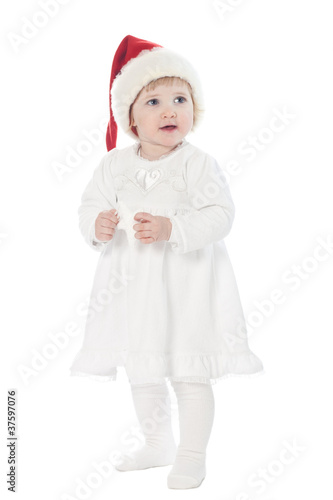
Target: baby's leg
[(196, 408), (153, 408)]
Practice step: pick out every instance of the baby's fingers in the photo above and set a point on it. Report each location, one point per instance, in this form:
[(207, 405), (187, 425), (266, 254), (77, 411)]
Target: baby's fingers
[(111, 215)]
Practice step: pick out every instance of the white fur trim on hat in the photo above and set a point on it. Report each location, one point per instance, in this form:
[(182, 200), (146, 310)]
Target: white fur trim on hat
[(150, 65)]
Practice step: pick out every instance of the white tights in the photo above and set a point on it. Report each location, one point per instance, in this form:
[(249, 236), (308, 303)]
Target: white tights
[(196, 408)]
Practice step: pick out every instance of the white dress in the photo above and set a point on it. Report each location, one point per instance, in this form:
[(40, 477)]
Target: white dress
[(169, 310)]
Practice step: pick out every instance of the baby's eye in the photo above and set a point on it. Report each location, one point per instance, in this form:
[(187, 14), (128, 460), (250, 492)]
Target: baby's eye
[(152, 102), (180, 99)]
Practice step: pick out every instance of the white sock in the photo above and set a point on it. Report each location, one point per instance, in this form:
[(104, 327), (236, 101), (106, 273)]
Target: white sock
[(196, 408), (153, 408)]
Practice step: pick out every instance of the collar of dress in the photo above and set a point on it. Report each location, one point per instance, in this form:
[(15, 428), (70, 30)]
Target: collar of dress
[(138, 151)]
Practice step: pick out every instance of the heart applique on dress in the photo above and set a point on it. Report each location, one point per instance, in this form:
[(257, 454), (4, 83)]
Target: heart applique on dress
[(147, 178)]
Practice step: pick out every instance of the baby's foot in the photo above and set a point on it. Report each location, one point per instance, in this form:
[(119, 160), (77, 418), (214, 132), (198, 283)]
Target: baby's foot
[(147, 457), (188, 471)]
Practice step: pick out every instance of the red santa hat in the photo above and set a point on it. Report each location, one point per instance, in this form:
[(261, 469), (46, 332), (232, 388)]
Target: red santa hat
[(136, 63)]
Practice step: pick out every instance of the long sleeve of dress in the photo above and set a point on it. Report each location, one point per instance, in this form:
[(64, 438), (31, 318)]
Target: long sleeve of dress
[(213, 208), (98, 195)]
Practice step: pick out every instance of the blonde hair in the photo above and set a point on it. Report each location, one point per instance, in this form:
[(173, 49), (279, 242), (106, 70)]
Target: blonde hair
[(164, 80)]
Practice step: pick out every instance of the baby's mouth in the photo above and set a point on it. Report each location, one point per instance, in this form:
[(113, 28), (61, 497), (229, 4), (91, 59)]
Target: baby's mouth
[(169, 127)]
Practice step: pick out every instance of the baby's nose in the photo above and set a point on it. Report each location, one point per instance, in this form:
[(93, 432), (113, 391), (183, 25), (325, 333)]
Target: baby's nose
[(169, 112)]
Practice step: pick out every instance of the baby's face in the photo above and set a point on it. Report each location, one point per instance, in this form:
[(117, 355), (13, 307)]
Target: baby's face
[(163, 116)]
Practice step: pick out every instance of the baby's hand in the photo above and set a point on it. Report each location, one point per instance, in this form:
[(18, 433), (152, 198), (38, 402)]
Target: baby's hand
[(152, 227), (105, 224)]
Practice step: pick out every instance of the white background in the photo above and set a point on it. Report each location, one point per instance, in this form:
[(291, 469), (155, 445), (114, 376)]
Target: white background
[(258, 57)]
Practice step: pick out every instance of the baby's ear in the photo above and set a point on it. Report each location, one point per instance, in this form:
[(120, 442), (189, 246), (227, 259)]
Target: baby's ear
[(133, 128)]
